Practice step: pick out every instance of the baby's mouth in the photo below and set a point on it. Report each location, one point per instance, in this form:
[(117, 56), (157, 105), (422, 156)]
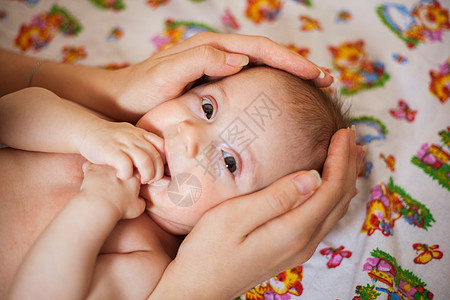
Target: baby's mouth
[(166, 170)]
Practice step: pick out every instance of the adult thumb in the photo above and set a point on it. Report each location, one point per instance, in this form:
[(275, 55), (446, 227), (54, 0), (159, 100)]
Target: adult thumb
[(276, 199)]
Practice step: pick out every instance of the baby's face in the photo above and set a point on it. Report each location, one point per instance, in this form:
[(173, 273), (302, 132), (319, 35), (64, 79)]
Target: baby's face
[(221, 140)]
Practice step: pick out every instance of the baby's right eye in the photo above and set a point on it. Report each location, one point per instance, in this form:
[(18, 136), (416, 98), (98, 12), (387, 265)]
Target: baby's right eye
[(208, 108)]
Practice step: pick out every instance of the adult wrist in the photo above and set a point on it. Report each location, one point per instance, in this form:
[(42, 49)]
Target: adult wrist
[(33, 70)]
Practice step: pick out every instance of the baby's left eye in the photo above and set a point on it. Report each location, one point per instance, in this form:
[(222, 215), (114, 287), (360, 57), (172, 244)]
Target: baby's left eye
[(208, 108), (230, 162)]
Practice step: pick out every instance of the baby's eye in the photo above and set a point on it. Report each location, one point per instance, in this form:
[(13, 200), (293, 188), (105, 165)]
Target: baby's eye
[(230, 162), (208, 108)]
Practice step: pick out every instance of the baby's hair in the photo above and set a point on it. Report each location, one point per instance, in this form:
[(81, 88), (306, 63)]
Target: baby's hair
[(317, 114)]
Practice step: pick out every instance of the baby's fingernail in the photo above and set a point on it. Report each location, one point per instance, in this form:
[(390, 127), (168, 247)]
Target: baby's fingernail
[(237, 60), (307, 182)]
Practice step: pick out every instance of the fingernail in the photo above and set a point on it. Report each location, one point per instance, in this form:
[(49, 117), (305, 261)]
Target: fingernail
[(307, 182), (353, 132), (364, 150), (237, 60), (362, 153), (321, 74)]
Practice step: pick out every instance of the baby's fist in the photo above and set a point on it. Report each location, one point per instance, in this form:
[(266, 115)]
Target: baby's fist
[(102, 184)]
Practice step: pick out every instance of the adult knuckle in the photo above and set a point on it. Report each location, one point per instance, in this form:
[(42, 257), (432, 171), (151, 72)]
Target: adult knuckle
[(206, 52), (265, 39), (340, 187), (203, 35), (279, 201)]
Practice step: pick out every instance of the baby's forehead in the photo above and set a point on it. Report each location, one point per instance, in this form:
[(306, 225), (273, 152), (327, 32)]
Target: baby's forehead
[(256, 79)]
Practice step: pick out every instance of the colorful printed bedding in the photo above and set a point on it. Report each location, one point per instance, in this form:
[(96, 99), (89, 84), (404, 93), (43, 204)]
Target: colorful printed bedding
[(391, 62)]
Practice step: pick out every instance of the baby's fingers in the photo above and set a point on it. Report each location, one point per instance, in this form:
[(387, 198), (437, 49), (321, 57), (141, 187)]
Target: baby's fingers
[(148, 163), (122, 163)]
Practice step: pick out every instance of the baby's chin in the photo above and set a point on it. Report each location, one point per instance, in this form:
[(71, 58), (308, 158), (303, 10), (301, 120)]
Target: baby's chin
[(159, 191), (170, 226)]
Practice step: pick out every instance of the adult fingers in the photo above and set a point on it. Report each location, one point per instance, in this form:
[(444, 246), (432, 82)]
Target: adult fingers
[(260, 49), (183, 67), (253, 210), (339, 173), (300, 224), (340, 180), (361, 152)]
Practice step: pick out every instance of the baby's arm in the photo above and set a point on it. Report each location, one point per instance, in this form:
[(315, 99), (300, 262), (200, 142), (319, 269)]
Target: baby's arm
[(36, 119), (60, 264)]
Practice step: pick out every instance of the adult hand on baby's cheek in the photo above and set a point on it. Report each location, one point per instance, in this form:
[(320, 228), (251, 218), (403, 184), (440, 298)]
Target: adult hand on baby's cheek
[(286, 224), (247, 235), (101, 184)]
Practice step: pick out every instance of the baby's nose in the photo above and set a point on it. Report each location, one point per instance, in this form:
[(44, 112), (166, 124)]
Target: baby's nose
[(190, 138)]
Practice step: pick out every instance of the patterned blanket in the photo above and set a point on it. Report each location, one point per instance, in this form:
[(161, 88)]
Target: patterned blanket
[(391, 61)]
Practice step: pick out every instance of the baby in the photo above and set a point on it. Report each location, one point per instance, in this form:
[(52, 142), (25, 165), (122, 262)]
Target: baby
[(221, 139)]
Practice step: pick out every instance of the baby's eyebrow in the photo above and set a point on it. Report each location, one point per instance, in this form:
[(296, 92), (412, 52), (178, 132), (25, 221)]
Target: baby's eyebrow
[(218, 85)]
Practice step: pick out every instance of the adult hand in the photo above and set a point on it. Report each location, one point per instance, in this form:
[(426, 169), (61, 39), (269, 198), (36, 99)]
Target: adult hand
[(251, 238), (126, 94), (166, 74)]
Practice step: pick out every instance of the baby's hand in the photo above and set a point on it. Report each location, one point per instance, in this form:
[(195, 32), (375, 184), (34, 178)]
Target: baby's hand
[(101, 184), (124, 146)]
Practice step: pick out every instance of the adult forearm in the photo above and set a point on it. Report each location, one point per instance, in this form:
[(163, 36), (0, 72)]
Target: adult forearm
[(91, 87), (14, 72)]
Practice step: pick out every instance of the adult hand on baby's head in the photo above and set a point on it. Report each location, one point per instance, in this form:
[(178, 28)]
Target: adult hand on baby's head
[(124, 147), (101, 184), (250, 238), (166, 74)]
